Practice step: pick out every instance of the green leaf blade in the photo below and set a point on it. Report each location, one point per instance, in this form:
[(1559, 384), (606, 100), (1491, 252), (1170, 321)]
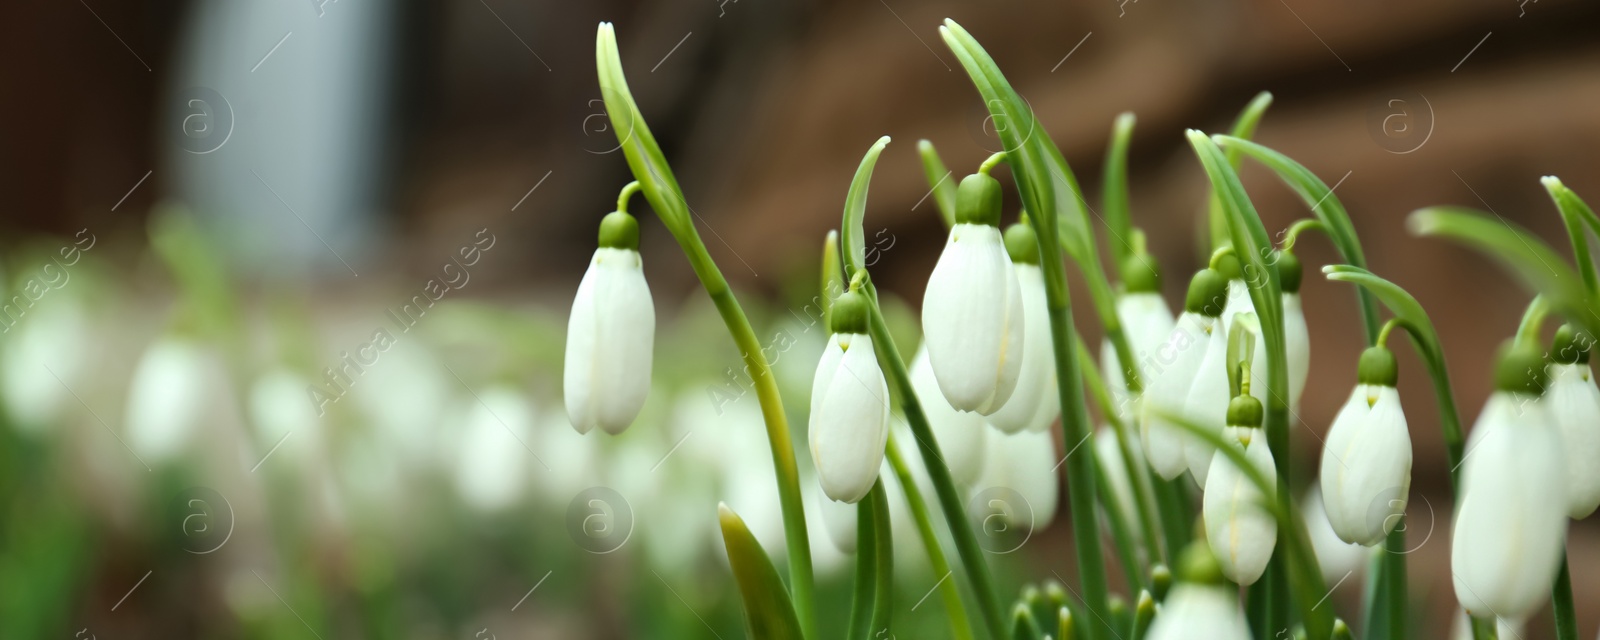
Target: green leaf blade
[(768, 611)]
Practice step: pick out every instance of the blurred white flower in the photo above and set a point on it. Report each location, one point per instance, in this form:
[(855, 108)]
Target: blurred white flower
[(961, 435), (1024, 462), (610, 340), (49, 343), (1574, 404), (839, 518), (167, 399), (1173, 371), (492, 460), (1035, 403), (404, 397), (278, 407), (1147, 322), (1511, 518), (1201, 605), (1297, 346), (1336, 557), (1109, 455), (972, 320)]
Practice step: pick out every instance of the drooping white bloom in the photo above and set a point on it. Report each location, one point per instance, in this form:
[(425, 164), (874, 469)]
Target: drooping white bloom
[(277, 406), (849, 416), (1366, 465), (610, 339), (1025, 463), (1297, 346), (1511, 520), (1241, 531), (1573, 401), (961, 435), (1108, 452), (1207, 405), (491, 463), (1167, 388), (51, 342), (1336, 557), (1035, 403), (1192, 611), (167, 398), (839, 518), (1147, 322), (972, 320)]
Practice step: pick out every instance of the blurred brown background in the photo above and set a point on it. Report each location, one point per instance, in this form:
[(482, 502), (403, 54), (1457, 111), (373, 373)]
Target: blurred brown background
[(764, 107)]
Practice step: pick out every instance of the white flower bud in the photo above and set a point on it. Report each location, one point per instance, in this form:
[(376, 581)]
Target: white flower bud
[(1035, 403), (1574, 404), (1024, 462), (972, 320), (1241, 531), (961, 435), (839, 518), (1147, 322), (610, 339), (1167, 386), (1511, 519), (1297, 347), (1366, 465), (1191, 611), (1336, 557), (849, 417)]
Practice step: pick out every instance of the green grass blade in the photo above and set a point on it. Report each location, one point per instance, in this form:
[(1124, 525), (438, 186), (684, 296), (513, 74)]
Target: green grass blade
[(941, 182), (1114, 193), (768, 611)]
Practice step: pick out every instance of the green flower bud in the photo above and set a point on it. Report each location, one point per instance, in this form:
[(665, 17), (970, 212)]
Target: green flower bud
[(1520, 368), (1022, 243), (618, 230), (1160, 581), (1288, 272), (1377, 366), (1198, 566), (978, 200), (1244, 411), (1208, 293), (1141, 274), (1229, 265), (1570, 346), (849, 313)]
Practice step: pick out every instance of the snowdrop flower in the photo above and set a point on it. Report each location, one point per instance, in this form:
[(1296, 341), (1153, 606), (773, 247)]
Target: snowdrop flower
[(1297, 337), (1574, 404), (1511, 520), (1035, 403), (1207, 404), (491, 462), (1146, 322), (961, 435), (972, 316), (1336, 557), (1366, 461), (611, 333), (1201, 605), (1025, 463), (167, 399), (849, 405), (1172, 373), (839, 519), (1108, 452), (1240, 529), (56, 336)]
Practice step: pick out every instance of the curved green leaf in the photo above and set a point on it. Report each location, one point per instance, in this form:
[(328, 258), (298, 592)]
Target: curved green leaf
[(1576, 214), (768, 611), (1523, 254), (1254, 247), (1323, 204), (941, 182), (1244, 126), (639, 146), (883, 584), (855, 209), (1114, 193)]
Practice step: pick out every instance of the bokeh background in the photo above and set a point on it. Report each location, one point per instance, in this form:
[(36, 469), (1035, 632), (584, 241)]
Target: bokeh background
[(264, 182)]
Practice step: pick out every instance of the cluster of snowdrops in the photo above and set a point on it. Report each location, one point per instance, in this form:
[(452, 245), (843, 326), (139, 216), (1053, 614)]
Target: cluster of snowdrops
[(1203, 393)]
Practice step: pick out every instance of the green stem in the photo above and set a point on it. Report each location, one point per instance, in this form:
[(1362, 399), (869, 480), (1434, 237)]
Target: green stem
[(883, 593), (941, 182), (627, 193), (1137, 478), (1485, 629), (861, 606), (1532, 320), (960, 625), (1566, 615), (1114, 192), (991, 161), (1575, 213), (1299, 226)]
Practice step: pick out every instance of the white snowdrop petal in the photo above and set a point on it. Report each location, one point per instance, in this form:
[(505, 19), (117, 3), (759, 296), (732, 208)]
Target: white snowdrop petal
[(1574, 404), (610, 343), (1207, 404), (1037, 373), (1025, 463), (1511, 522), (961, 435), (1336, 557), (1240, 530), (851, 425), (1169, 379), (839, 518), (1199, 611), (1147, 322), (972, 320), (1366, 466)]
